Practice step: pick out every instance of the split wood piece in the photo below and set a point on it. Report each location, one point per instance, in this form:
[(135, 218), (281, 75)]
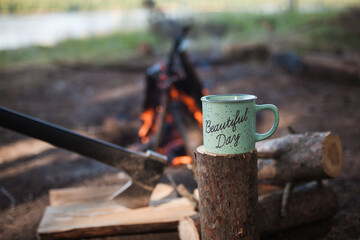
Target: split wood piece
[(300, 157), (182, 191), (228, 195), (80, 195), (189, 228), (308, 204), (107, 218)]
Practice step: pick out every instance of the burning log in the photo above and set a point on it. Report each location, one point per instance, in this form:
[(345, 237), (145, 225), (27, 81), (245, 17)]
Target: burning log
[(192, 85), (228, 195), (188, 127), (172, 107), (309, 203), (300, 157)]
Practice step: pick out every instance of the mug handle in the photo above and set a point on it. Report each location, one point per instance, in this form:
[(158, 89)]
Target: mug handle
[(258, 108)]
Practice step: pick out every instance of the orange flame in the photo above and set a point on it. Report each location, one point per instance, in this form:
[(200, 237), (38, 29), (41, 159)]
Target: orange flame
[(150, 119), (190, 103), (174, 93), (147, 118), (181, 160), (198, 116)]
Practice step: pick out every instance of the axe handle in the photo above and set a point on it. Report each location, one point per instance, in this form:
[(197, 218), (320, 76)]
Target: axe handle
[(139, 166)]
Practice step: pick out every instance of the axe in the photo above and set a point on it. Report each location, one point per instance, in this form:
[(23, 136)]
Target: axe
[(145, 169)]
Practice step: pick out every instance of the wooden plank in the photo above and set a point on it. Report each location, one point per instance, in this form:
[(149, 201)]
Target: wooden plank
[(79, 195), (108, 218)]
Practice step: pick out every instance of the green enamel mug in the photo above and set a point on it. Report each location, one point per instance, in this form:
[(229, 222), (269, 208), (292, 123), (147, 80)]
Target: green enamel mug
[(229, 123)]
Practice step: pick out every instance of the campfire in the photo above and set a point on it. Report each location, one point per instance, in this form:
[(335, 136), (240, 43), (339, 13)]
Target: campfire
[(172, 107)]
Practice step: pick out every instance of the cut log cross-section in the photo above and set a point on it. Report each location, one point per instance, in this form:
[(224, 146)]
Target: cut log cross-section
[(228, 194), (300, 157)]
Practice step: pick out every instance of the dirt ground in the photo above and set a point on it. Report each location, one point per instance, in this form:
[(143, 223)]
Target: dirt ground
[(93, 102)]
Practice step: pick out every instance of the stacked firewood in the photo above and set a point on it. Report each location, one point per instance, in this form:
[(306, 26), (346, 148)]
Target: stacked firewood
[(290, 169), (290, 174)]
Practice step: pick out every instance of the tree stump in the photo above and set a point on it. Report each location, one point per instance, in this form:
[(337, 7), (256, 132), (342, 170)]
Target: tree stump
[(228, 191)]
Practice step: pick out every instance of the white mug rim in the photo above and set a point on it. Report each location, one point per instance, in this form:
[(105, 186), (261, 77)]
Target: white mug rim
[(217, 98)]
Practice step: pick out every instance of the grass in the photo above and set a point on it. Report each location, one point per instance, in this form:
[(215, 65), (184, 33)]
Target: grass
[(301, 32), (112, 47)]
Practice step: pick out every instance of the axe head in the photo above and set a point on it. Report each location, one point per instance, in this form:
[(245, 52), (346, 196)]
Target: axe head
[(132, 195), (136, 192)]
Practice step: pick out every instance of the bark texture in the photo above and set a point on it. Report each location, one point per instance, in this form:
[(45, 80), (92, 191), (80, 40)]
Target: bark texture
[(228, 194), (300, 157), (308, 204)]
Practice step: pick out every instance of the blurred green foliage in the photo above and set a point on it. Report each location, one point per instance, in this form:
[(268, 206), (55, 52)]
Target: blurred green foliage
[(28, 6), (317, 31), (330, 31), (96, 49)]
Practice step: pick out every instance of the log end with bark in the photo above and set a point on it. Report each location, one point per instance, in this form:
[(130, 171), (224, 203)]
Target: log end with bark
[(333, 157), (300, 157)]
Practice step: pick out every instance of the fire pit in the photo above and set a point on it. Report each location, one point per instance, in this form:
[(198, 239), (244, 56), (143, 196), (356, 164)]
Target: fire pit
[(172, 108)]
